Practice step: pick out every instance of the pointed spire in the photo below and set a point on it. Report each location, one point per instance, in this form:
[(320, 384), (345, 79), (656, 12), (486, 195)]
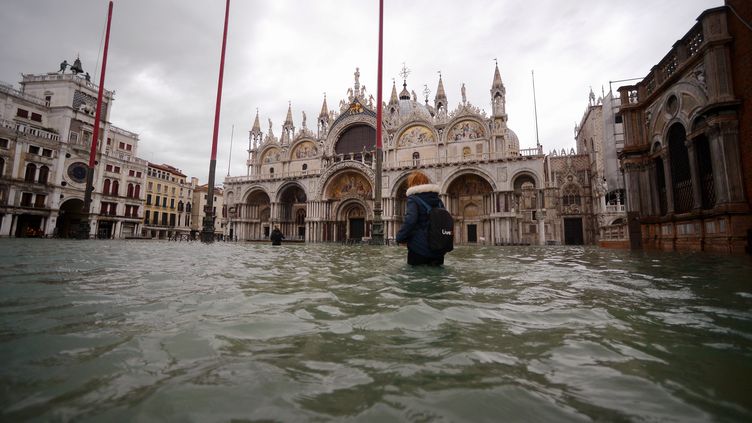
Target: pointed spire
[(497, 78), (256, 124), (324, 108), (393, 98), (440, 101), (288, 119), (404, 95)]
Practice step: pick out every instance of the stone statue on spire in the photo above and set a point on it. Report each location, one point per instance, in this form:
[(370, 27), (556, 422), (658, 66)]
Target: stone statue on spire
[(464, 94)]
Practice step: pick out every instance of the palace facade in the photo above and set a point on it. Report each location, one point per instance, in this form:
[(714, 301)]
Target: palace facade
[(317, 184), (687, 156), (46, 130)]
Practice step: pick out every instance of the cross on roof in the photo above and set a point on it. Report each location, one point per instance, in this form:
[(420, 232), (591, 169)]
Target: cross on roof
[(404, 72)]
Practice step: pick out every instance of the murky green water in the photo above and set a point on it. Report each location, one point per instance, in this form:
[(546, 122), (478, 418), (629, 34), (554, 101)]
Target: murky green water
[(154, 331)]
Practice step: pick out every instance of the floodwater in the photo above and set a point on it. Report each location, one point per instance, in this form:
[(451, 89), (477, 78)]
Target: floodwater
[(166, 331)]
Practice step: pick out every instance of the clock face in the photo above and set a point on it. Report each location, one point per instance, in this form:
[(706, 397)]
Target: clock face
[(77, 172)]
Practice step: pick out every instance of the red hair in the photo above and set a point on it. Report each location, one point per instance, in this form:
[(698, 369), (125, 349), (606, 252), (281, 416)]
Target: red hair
[(417, 178)]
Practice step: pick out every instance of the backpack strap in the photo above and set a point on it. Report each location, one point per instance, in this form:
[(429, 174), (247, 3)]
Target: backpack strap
[(423, 202)]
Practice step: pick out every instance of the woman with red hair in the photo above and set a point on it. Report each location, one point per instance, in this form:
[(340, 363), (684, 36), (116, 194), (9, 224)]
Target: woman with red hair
[(414, 229)]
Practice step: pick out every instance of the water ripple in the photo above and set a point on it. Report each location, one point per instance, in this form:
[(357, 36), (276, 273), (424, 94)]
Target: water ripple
[(113, 330)]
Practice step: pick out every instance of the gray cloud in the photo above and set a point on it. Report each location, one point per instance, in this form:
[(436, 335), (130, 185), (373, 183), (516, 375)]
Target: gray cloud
[(164, 59)]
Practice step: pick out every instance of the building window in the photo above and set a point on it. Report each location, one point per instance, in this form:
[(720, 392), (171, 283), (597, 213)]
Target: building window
[(117, 169), (570, 196), (164, 202), (22, 113), (128, 147), (36, 117), (156, 218), (115, 188), (159, 187), (137, 191), (40, 200), (681, 177), (156, 202), (271, 170), (129, 191), (2, 167), (172, 219), (164, 219), (44, 174), (121, 146), (188, 208), (33, 149), (172, 203), (31, 171), (148, 199), (146, 217), (108, 168), (138, 174), (26, 199), (416, 158), (73, 137), (4, 142), (180, 206), (305, 166), (131, 172)]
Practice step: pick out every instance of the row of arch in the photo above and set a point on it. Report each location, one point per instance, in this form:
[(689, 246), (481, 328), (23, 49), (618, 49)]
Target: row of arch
[(674, 162), (358, 138), (34, 174), (112, 187)]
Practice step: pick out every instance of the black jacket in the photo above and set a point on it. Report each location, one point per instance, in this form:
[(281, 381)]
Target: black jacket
[(276, 237), (414, 229)]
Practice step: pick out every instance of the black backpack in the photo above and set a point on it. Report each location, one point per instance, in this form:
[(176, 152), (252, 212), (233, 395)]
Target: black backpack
[(440, 228)]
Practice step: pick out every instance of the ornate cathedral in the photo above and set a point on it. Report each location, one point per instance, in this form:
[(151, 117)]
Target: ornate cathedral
[(318, 185)]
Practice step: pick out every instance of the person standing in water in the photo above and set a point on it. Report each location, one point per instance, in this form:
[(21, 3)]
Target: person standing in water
[(414, 229), (276, 236)]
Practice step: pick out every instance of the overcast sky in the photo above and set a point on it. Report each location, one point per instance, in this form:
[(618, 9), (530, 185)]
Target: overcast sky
[(163, 60)]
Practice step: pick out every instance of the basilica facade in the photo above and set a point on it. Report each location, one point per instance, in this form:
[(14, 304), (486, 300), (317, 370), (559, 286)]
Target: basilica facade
[(317, 185)]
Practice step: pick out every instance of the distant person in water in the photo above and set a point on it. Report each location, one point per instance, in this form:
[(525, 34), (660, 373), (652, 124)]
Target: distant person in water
[(414, 229), (276, 236)]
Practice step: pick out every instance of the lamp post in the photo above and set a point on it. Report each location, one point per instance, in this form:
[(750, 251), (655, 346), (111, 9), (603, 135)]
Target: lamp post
[(207, 233), (84, 227), (377, 231)]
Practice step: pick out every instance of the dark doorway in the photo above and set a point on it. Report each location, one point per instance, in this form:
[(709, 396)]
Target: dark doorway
[(357, 228), (472, 233), (29, 226), (573, 231), (301, 232), (266, 232), (69, 218), (104, 229)]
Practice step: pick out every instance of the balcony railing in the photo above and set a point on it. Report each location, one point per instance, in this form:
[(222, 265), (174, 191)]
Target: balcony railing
[(30, 130), (8, 89), (682, 51)]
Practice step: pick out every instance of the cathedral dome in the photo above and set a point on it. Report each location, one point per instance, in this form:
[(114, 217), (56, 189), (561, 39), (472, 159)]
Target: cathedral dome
[(513, 143), (406, 107)]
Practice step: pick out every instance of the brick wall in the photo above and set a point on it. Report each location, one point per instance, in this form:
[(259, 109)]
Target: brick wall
[(742, 70)]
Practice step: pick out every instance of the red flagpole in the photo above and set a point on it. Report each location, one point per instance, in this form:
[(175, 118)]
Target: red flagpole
[(377, 232), (207, 234), (379, 145), (85, 226)]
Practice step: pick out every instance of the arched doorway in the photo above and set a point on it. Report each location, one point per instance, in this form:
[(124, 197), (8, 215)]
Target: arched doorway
[(352, 225), (69, 218), (467, 196), (349, 191), (292, 200), (256, 216)]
